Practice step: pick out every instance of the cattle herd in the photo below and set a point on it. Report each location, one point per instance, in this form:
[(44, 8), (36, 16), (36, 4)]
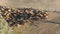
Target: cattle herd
[(15, 16)]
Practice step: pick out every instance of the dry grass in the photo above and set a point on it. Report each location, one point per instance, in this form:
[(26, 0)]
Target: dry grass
[(38, 27)]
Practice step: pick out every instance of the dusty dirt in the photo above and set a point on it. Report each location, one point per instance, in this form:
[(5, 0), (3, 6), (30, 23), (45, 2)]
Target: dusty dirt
[(38, 27)]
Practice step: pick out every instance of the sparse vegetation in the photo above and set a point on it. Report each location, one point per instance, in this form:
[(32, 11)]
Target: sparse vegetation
[(5, 29), (32, 28)]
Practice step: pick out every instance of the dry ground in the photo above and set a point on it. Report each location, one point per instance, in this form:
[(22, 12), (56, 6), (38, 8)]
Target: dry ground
[(38, 27)]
